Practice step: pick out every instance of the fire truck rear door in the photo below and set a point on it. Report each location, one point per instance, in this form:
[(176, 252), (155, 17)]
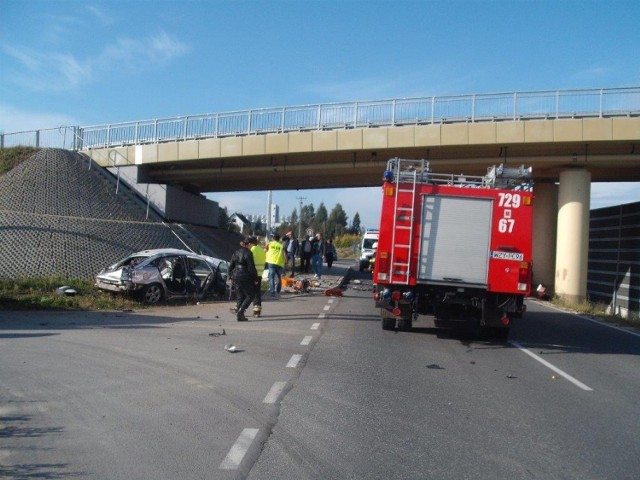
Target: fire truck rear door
[(455, 240)]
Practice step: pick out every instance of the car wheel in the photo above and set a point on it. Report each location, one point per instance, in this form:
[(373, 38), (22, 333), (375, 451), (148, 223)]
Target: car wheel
[(152, 294)]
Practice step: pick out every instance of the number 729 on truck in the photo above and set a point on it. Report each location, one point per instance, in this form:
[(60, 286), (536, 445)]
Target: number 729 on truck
[(454, 246)]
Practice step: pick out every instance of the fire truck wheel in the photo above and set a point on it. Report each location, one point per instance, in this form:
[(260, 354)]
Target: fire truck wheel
[(388, 321), (500, 333), (405, 324), (496, 333)]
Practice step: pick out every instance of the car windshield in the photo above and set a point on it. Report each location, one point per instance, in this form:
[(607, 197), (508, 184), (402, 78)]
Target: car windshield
[(368, 242)]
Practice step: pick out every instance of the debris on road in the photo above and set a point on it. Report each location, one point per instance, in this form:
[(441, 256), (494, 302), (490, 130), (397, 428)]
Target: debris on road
[(435, 366), (66, 290), (333, 292)]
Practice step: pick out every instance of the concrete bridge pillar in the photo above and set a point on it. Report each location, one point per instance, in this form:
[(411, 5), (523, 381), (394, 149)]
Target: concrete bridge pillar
[(545, 224), (572, 247)]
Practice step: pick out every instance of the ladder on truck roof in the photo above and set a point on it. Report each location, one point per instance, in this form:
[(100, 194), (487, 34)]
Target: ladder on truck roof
[(418, 171), (403, 223)]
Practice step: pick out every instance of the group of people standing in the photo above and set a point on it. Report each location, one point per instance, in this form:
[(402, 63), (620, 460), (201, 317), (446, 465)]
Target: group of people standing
[(248, 263), (312, 251)]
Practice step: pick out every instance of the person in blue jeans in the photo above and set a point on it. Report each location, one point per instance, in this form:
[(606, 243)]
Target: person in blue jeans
[(275, 262), (318, 247)]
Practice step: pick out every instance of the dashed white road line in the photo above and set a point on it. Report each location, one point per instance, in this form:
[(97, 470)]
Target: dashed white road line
[(550, 366), (275, 392), (239, 449), (293, 362)]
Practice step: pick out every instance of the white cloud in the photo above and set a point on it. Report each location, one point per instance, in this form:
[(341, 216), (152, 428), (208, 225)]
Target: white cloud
[(135, 54), (163, 47), (100, 14), (50, 71), (57, 71)]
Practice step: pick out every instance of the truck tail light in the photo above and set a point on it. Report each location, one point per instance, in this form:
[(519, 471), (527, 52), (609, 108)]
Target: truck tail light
[(382, 264), (523, 277)]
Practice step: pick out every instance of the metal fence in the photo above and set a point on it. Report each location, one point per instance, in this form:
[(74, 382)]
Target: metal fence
[(614, 258), (556, 104), (61, 137)]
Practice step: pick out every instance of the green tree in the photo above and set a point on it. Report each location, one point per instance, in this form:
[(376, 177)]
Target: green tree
[(319, 222), (355, 224), (307, 213), (337, 222)]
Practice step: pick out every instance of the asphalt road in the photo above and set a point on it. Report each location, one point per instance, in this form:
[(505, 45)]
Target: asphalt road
[(317, 390)]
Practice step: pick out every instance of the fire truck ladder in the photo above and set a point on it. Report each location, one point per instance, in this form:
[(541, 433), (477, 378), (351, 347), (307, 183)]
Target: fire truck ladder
[(403, 220)]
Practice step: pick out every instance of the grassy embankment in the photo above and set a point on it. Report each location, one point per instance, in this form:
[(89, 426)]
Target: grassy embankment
[(41, 293)]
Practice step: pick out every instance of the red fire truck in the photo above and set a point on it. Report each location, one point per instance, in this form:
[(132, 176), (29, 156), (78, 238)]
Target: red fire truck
[(455, 246)]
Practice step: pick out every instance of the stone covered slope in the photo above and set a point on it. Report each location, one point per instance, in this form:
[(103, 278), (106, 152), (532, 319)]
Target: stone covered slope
[(60, 218)]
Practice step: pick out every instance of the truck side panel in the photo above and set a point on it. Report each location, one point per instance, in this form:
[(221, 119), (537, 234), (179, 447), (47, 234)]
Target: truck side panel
[(454, 245)]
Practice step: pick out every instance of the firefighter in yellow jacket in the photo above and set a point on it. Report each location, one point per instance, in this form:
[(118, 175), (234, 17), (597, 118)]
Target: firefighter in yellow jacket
[(259, 258), (275, 263)]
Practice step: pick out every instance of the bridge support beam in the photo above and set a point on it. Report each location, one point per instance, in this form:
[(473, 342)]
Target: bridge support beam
[(545, 223), (572, 247)]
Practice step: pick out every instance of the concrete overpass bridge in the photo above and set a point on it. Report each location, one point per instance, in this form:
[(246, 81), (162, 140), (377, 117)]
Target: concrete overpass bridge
[(571, 138)]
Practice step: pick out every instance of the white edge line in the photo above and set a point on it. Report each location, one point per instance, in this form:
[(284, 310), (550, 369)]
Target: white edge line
[(315, 326), (275, 392), (550, 366), (239, 449), (306, 340), (592, 320), (294, 360)]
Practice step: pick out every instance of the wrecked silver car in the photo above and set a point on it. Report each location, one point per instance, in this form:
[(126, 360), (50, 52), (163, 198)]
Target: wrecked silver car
[(165, 274)]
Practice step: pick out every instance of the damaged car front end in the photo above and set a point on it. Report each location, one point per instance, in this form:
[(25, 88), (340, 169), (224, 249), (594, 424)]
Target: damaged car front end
[(164, 274)]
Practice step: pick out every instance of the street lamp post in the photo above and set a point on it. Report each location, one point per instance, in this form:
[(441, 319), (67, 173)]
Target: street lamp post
[(300, 217)]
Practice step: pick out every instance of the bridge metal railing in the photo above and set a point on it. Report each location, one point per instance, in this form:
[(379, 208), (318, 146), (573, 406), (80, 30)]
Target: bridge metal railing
[(61, 137), (549, 104)]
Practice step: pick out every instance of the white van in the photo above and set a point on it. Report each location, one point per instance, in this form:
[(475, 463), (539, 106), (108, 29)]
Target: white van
[(368, 249)]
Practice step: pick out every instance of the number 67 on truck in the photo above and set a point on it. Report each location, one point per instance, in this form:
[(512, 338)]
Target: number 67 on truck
[(455, 246)]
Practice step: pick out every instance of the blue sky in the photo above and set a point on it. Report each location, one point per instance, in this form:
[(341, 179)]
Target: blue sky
[(95, 62)]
